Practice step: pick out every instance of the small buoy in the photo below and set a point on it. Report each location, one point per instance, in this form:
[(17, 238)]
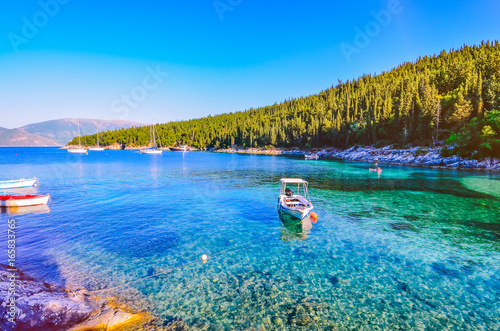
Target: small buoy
[(314, 217), (204, 258)]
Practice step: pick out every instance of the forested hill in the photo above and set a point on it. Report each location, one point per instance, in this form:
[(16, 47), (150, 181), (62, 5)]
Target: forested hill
[(450, 96)]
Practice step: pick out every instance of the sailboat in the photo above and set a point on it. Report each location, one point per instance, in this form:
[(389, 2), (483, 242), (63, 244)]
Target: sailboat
[(79, 149), (153, 149), (98, 148)]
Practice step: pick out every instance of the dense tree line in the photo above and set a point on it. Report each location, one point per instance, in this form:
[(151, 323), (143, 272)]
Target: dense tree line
[(431, 99)]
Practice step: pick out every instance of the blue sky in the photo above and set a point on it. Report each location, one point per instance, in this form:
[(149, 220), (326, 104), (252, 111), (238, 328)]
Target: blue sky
[(168, 60)]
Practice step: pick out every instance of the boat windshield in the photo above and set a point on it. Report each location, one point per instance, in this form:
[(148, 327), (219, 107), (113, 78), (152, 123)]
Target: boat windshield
[(298, 186)]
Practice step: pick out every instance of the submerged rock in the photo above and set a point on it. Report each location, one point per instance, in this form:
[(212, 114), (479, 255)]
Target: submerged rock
[(42, 306)]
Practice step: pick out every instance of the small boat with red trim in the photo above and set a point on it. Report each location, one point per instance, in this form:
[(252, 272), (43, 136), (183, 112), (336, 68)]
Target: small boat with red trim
[(23, 200)]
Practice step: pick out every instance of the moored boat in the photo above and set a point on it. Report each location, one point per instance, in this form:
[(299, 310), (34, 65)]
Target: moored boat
[(79, 149), (184, 148), (297, 205), (23, 200), (18, 183), (98, 148), (153, 149), (311, 156)]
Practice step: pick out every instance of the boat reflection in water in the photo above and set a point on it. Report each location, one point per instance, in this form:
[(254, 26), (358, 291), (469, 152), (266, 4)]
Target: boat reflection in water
[(295, 229), (15, 210)]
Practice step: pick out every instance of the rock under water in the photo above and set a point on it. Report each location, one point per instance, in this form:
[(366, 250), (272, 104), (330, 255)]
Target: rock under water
[(42, 306)]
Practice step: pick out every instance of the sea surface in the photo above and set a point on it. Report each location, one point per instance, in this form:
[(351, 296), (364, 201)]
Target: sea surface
[(411, 249)]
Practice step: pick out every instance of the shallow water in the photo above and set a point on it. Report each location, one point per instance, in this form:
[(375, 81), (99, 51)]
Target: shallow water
[(413, 248)]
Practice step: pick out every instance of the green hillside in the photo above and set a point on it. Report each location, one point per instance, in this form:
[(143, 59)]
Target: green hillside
[(450, 96)]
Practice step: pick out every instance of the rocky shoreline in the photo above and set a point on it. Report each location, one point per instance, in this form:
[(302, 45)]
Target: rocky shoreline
[(416, 156), (42, 306)]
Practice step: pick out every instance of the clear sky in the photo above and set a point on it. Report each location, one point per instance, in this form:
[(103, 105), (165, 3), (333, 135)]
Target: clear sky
[(168, 60)]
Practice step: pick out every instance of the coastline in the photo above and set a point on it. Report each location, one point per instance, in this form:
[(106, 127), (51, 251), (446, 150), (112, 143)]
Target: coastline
[(422, 157), (413, 157)]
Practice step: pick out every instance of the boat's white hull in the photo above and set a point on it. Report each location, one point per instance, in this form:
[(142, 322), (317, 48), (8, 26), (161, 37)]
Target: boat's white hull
[(8, 184), (151, 151), (311, 157), (77, 150), (42, 200), (96, 149), (300, 214)]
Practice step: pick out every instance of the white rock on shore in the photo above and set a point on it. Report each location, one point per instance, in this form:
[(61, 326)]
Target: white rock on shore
[(416, 156)]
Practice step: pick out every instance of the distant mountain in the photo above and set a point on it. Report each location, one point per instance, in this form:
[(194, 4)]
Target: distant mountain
[(63, 131), (21, 138)]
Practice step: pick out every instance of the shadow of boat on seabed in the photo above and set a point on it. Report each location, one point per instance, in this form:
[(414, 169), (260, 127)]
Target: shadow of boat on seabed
[(295, 229)]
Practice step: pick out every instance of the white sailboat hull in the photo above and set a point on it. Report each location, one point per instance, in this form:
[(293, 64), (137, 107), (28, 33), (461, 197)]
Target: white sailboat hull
[(151, 151), (77, 150), (28, 201), (96, 149)]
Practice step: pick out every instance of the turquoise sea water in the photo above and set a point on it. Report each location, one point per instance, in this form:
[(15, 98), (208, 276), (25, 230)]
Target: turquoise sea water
[(412, 249)]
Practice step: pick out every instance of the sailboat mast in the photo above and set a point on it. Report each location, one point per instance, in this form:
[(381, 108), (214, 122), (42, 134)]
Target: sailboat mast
[(154, 138), (158, 135), (79, 140), (150, 138)]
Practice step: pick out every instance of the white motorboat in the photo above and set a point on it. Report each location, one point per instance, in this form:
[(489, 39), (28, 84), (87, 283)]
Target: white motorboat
[(184, 148), (79, 149), (296, 204), (311, 156), (24, 200), (18, 183), (153, 149)]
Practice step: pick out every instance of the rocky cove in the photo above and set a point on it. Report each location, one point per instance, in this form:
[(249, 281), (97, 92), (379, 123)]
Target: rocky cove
[(416, 156), (43, 306)]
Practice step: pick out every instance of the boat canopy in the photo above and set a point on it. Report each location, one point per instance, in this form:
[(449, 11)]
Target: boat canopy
[(300, 188), (292, 181)]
